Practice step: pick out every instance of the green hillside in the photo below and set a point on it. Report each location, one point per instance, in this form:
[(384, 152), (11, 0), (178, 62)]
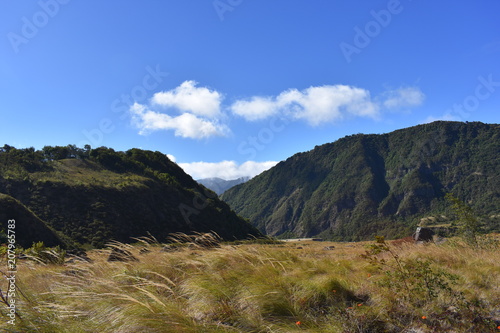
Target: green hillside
[(95, 195), (384, 184), (27, 225)]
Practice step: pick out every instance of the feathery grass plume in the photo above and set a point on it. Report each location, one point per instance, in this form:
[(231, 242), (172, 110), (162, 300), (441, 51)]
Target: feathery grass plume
[(148, 240), (255, 288), (197, 239), (120, 252)]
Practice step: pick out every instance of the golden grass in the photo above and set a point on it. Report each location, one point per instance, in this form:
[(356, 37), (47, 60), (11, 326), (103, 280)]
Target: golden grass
[(291, 287)]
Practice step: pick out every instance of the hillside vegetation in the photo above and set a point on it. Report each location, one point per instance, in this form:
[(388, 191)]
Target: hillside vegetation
[(95, 195), (32, 227), (372, 287), (363, 185)]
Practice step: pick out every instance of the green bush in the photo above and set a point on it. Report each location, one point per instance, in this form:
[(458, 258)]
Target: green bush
[(40, 253)]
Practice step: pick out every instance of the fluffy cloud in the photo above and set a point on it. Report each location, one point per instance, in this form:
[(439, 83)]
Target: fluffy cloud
[(195, 112), (256, 108), (315, 105), (403, 97), (189, 98), (318, 105), (191, 112), (186, 125), (226, 169), (328, 103)]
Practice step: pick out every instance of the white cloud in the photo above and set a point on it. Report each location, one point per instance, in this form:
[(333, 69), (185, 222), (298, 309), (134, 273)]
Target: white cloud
[(171, 157), (227, 170), (198, 111), (185, 125), (446, 116), (403, 97), (328, 103), (189, 98), (256, 108), (316, 105)]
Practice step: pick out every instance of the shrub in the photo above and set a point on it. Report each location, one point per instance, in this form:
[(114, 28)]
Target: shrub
[(40, 253), (466, 219), (414, 280)]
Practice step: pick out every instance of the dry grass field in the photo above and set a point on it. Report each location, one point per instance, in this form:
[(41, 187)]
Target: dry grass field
[(304, 286)]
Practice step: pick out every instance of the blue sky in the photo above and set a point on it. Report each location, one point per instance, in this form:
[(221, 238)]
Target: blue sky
[(230, 87)]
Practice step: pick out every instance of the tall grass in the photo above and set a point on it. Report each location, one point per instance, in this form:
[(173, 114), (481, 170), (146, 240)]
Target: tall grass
[(254, 288)]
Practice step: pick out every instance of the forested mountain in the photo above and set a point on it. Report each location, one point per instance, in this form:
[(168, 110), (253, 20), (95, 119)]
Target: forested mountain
[(219, 185), (363, 185), (95, 195)]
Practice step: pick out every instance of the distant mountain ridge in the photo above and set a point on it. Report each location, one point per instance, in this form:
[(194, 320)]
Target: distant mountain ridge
[(96, 195), (219, 185), (363, 185)]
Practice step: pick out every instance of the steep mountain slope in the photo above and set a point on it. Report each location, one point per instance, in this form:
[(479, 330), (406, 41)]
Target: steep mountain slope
[(219, 185), (28, 228), (96, 195), (362, 185)]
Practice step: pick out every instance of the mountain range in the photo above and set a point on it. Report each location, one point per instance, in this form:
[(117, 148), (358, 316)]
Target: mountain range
[(384, 184), (351, 189), (219, 185)]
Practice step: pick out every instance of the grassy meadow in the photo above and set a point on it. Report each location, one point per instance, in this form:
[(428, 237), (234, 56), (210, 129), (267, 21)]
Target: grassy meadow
[(304, 286)]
